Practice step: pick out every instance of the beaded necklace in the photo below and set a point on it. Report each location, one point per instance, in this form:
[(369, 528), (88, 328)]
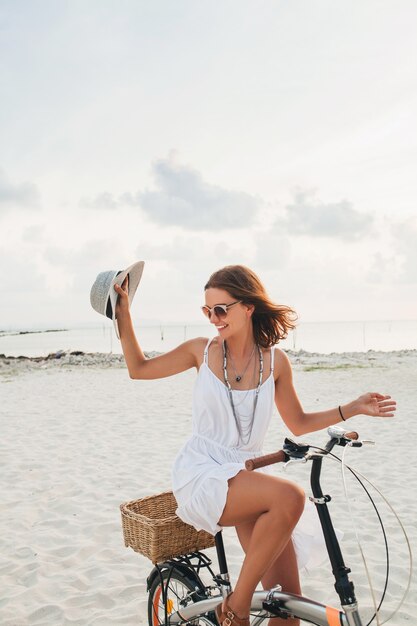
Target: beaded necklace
[(244, 432), (238, 377)]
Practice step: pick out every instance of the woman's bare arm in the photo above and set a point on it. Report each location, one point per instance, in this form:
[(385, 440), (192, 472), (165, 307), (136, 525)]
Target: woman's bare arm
[(178, 360), (299, 422)]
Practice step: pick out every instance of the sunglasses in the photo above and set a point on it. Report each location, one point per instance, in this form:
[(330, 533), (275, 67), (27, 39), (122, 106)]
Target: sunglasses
[(220, 310)]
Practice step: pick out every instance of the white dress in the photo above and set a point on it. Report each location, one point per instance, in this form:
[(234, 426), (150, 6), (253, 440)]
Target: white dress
[(214, 454)]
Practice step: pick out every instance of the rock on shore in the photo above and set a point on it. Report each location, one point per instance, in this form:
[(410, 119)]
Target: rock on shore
[(308, 361)]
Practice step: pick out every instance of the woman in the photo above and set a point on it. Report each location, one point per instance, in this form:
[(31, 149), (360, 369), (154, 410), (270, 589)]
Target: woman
[(240, 376)]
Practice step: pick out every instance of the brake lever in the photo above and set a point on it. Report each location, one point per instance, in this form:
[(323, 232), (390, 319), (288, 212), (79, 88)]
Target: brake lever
[(294, 460), (360, 443)]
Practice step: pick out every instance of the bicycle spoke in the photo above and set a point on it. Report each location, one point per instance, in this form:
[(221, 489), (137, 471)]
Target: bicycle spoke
[(175, 593)]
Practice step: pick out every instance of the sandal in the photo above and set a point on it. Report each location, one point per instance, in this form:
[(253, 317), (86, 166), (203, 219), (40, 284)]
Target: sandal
[(226, 617)]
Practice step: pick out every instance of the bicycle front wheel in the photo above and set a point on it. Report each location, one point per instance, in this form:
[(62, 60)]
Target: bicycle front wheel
[(181, 590)]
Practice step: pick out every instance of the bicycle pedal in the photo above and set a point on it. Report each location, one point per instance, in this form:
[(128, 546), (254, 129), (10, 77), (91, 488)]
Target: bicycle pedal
[(273, 607)]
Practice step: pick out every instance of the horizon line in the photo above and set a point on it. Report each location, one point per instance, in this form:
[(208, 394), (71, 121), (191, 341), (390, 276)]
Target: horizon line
[(178, 324)]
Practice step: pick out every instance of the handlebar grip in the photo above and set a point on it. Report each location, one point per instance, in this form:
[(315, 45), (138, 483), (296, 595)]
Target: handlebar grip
[(352, 435), (267, 459)]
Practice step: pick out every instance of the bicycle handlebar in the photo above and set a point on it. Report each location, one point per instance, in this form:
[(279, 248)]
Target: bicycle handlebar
[(282, 455), (353, 435), (337, 432), (267, 459)]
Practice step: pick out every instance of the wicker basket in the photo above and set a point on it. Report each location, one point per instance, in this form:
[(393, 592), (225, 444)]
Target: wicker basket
[(151, 527)]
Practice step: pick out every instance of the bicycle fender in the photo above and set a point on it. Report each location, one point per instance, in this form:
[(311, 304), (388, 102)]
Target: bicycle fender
[(180, 567)]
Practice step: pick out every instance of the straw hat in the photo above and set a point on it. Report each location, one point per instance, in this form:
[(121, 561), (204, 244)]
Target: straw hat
[(103, 296)]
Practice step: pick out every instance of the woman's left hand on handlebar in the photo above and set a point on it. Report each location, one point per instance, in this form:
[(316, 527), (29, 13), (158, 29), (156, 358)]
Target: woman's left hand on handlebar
[(376, 404)]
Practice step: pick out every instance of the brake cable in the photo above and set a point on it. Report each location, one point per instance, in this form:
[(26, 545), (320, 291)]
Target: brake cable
[(358, 474), (358, 541)]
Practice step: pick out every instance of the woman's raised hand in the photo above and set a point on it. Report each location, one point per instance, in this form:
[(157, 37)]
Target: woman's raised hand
[(122, 304), (375, 404)]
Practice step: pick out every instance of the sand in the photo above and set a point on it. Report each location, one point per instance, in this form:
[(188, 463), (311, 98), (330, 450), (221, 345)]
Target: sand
[(79, 437)]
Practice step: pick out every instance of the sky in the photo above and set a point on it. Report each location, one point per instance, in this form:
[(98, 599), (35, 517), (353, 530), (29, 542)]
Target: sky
[(192, 135)]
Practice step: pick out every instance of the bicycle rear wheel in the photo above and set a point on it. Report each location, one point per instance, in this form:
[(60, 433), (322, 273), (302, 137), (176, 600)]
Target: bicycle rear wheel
[(181, 590)]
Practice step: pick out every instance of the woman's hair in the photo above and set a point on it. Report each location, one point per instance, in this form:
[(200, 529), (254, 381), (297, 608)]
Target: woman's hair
[(271, 322)]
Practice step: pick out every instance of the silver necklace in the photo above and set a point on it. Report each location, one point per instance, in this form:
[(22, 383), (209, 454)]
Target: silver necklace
[(238, 377), (244, 430), (244, 393)]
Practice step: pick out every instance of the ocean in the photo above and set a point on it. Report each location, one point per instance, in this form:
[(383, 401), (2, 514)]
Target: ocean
[(322, 337)]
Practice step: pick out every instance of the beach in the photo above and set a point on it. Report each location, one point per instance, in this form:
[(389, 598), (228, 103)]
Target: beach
[(79, 437)]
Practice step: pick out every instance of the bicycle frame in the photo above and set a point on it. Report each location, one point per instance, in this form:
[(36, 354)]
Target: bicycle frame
[(275, 602), (286, 605), (344, 587)]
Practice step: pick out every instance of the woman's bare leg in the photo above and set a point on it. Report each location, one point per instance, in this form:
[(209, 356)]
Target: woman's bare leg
[(284, 570), (274, 505)]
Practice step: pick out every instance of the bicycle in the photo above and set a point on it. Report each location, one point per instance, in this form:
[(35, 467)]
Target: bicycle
[(177, 594)]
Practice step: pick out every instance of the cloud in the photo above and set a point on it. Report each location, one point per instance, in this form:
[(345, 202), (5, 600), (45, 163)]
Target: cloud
[(103, 200), (21, 195), (405, 242), (306, 216), (184, 199)]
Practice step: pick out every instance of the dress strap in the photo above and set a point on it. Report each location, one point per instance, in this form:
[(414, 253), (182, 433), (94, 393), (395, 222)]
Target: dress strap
[(205, 357), (272, 359)]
